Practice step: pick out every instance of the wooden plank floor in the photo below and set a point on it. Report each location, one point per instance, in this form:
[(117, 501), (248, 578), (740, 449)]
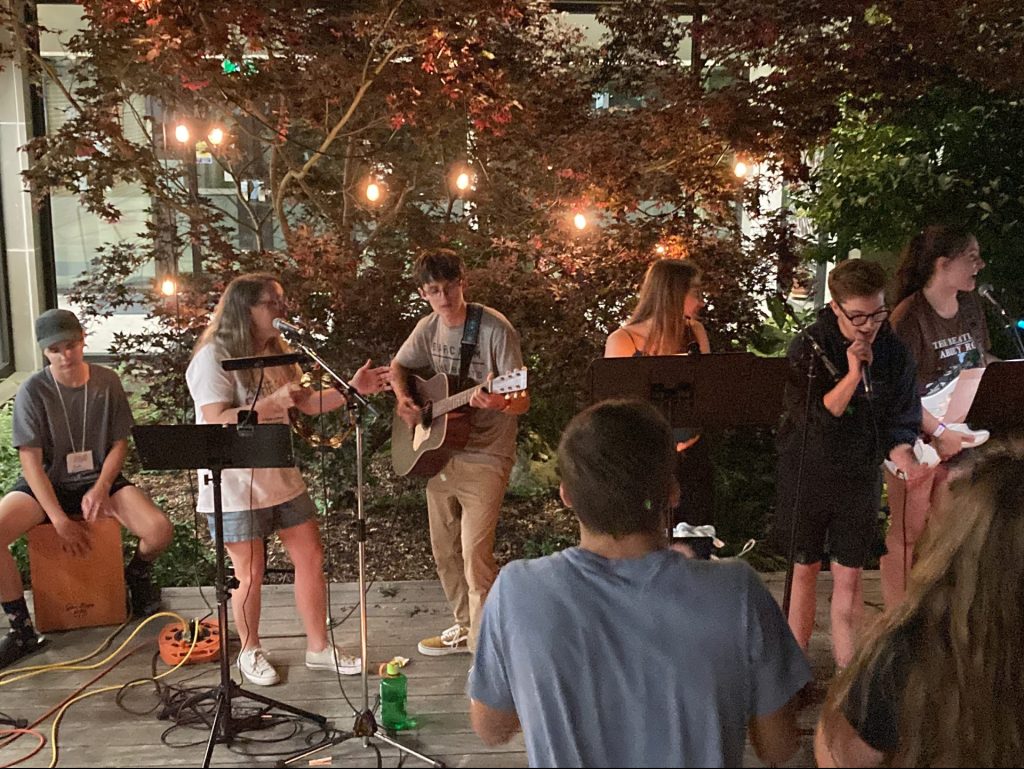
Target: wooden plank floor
[(97, 732)]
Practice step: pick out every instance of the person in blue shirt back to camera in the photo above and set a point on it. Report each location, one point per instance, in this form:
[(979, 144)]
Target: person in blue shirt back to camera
[(622, 651)]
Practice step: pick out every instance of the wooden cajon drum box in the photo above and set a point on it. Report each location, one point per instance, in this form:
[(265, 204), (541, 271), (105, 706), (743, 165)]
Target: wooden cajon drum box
[(70, 591)]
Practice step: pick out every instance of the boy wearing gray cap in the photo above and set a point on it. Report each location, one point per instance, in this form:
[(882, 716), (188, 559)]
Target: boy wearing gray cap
[(71, 426)]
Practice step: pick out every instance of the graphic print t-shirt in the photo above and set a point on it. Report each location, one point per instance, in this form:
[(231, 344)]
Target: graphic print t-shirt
[(942, 347)]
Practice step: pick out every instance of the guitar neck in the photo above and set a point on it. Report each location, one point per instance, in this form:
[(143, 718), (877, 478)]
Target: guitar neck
[(453, 402)]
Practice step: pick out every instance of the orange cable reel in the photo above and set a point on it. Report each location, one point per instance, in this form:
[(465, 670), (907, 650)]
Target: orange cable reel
[(175, 640)]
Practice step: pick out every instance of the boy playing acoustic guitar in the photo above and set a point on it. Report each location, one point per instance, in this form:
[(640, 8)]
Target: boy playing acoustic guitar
[(464, 498)]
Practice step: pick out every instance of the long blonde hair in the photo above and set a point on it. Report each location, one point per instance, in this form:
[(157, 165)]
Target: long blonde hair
[(230, 329), (962, 703), (662, 296)]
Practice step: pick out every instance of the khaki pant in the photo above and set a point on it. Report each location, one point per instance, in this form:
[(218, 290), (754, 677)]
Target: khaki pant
[(463, 505)]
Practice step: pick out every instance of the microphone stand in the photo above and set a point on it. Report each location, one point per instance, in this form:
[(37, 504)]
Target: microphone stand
[(787, 590), (364, 724), (338, 382), (1010, 325)]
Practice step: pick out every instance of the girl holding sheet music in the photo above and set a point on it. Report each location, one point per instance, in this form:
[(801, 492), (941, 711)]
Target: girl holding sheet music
[(939, 316)]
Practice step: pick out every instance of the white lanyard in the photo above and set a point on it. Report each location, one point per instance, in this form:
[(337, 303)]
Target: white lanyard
[(85, 412)]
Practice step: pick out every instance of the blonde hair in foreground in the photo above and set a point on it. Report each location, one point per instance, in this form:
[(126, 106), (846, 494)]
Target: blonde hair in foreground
[(962, 703)]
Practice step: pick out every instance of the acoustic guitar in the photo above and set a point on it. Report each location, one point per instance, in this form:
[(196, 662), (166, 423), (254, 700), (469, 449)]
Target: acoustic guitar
[(443, 429)]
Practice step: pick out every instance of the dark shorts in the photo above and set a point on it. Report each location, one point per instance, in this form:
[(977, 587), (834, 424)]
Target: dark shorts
[(837, 514), (70, 495), (245, 525)]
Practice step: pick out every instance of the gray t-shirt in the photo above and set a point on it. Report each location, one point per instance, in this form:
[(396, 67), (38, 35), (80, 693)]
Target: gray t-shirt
[(41, 421), (433, 348), (653, 661)]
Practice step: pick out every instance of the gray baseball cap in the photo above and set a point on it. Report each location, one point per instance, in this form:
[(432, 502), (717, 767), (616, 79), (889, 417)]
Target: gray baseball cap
[(55, 326)]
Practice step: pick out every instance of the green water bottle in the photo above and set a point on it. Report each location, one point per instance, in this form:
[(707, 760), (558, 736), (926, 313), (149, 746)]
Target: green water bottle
[(393, 693)]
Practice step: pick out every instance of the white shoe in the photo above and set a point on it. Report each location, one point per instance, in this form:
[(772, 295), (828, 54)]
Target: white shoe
[(254, 665), (332, 658)]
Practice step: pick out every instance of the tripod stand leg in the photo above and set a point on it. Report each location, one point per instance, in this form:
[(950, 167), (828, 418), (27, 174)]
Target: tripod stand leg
[(380, 735), (328, 743), (314, 717), (384, 737), (218, 719)]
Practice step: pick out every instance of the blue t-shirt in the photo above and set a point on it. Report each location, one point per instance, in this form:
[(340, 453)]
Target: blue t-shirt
[(653, 661)]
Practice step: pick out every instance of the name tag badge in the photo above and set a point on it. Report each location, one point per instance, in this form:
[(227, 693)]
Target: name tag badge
[(80, 462)]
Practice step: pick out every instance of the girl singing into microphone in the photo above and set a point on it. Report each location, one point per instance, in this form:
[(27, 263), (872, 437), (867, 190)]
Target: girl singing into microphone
[(258, 502), (939, 316)]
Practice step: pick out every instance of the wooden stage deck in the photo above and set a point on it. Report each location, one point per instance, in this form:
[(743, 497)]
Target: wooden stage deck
[(97, 732)]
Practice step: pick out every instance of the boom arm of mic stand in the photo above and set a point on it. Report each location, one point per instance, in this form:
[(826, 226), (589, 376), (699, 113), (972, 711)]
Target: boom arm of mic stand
[(1010, 324), (1014, 329), (338, 382)]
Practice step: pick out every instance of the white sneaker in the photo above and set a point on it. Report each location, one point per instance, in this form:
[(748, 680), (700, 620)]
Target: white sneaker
[(332, 658), (454, 640), (254, 665)]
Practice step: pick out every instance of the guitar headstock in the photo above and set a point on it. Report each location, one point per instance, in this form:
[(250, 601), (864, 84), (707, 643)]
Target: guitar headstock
[(509, 384)]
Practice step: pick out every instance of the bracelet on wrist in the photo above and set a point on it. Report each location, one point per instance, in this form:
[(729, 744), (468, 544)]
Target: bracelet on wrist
[(939, 430)]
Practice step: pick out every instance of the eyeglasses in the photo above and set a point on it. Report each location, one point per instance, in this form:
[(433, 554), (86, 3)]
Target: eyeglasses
[(860, 319), (434, 290), (278, 303)]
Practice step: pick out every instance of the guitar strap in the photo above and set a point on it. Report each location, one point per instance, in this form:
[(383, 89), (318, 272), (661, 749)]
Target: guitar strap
[(470, 335)]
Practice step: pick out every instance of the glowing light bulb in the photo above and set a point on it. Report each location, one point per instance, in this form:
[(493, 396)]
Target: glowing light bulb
[(216, 136), (741, 169), (181, 133), (579, 222), (373, 192), (168, 287), (659, 249), (462, 181)]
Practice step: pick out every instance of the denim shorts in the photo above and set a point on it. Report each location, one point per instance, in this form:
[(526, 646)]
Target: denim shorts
[(246, 525)]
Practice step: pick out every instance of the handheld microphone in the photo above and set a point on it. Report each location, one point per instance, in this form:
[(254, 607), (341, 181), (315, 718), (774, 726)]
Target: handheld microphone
[(288, 330), (865, 378)]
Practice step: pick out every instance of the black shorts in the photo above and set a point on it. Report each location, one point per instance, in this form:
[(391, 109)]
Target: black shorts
[(70, 495), (837, 513)]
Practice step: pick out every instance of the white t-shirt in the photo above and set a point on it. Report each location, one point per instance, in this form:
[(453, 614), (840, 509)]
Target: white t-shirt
[(249, 489)]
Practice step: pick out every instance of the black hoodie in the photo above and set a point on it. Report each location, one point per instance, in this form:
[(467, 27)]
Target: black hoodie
[(856, 442)]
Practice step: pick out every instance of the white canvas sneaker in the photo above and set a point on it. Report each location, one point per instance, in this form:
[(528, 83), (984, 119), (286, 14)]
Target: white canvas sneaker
[(332, 658), (254, 665)]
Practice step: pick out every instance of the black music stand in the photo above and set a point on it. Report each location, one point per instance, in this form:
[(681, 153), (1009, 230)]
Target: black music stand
[(706, 391), (998, 406), (217, 448)]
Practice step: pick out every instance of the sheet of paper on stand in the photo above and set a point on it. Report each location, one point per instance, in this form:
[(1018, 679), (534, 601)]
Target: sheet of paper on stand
[(952, 402)]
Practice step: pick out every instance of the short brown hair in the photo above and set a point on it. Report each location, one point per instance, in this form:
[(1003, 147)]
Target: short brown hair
[(437, 265), (856, 277), (617, 461)]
